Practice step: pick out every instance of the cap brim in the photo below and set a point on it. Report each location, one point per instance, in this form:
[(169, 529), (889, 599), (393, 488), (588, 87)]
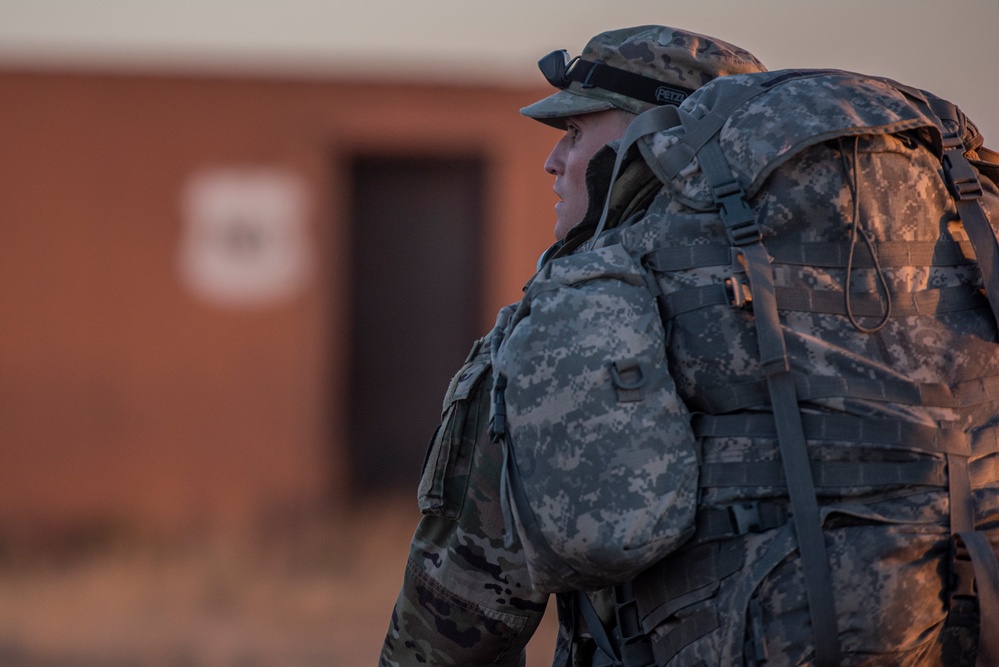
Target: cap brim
[(554, 109)]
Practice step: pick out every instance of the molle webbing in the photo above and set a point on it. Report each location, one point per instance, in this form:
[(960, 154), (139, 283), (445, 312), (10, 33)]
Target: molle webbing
[(818, 254), (828, 474), (825, 255), (746, 517), (689, 578), (889, 254), (829, 302), (844, 428), (736, 396)]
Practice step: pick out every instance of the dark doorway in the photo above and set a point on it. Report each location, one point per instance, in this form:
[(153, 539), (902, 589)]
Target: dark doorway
[(417, 225)]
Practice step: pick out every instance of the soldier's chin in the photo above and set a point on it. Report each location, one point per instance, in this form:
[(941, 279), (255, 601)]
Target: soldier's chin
[(562, 227)]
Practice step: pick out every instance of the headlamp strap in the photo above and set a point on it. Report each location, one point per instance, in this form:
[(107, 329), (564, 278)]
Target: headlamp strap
[(591, 74)]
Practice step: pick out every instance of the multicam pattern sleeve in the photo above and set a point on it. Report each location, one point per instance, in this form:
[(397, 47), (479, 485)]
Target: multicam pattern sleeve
[(466, 597)]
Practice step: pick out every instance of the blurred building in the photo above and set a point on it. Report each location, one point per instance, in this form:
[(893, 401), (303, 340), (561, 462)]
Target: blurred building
[(231, 301)]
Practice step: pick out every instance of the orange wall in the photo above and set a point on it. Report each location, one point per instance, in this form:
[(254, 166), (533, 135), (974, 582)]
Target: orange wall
[(124, 398)]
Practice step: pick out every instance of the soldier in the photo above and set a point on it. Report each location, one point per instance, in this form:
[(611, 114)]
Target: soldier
[(761, 403), (466, 597)]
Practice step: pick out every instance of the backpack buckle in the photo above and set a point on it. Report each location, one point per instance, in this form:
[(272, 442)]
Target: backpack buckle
[(737, 214), (738, 291), (962, 181), (746, 517), (962, 571), (497, 420)]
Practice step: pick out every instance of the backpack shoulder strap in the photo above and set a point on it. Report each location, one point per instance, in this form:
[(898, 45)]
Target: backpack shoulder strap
[(648, 122)]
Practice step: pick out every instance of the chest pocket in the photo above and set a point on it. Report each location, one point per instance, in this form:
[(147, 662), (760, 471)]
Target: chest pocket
[(465, 416)]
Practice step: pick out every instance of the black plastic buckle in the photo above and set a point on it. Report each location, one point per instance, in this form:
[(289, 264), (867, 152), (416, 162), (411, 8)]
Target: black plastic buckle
[(738, 216), (962, 571), (746, 517), (497, 422), (962, 181), (951, 139), (636, 649)]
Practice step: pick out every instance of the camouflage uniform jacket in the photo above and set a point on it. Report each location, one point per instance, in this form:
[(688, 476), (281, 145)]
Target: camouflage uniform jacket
[(466, 598)]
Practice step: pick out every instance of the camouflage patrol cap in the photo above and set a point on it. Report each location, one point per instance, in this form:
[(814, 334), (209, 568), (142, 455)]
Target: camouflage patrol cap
[(678, 60)]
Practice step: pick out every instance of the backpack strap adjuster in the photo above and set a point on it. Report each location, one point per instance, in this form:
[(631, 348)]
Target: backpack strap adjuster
[(962, 572), (738, 292), (962, 181), (738, 216), (746, 517)]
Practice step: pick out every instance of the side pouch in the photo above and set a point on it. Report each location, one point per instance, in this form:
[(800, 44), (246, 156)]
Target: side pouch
[(464, 415), (601, 465)]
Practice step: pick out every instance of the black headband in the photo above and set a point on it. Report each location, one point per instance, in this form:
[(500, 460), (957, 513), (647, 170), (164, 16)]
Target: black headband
[(560, 70)]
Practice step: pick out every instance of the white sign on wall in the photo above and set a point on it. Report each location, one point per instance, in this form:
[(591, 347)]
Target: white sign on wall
[(245, 240)]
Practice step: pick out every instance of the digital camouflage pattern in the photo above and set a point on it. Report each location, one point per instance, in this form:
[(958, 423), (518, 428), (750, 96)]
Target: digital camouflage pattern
[(887, 412), (593, 413), (894, 355), (671, 55), (466, 597), (441, 568)]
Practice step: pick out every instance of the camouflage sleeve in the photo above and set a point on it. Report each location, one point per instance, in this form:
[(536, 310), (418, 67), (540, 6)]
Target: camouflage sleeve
[(466, 597)]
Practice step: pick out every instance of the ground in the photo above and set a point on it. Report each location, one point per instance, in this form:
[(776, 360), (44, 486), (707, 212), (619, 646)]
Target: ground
[(320, 595)]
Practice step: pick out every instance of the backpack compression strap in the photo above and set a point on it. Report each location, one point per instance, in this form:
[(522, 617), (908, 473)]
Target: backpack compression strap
[(745, 235), (701, 139), (978, 578)]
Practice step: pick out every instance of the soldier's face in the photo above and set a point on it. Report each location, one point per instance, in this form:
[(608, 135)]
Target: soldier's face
[(584, 136)]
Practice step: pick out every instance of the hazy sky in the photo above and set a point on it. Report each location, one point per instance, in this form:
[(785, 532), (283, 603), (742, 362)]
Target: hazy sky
[(948, 46)]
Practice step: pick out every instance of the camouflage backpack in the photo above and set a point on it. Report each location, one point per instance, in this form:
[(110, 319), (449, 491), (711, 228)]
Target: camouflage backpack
[(767, 410)]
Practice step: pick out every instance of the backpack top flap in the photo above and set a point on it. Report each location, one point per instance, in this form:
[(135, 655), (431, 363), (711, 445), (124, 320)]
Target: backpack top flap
[(764, 119)]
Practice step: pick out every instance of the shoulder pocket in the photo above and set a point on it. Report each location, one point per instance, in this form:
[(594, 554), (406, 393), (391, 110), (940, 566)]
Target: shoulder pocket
[(465, 414)]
